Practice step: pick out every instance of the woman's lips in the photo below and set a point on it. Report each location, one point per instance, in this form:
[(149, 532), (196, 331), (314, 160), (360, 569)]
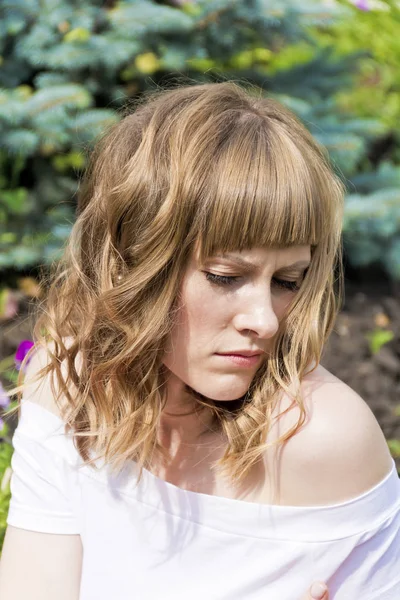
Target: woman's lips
[(240, 360)]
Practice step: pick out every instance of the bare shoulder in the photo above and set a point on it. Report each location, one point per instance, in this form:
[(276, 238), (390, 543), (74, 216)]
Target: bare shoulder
[(339, 453), (40, 392)]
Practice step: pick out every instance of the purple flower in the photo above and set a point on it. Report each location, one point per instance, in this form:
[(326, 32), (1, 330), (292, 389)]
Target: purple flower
[(1, 424), (4, 399), (21, 352), (362, 5)]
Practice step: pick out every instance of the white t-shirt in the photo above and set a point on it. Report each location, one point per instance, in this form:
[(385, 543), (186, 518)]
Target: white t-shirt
[(156, 541)]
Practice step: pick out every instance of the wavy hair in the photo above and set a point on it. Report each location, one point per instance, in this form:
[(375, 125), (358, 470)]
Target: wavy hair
[(209, 164)]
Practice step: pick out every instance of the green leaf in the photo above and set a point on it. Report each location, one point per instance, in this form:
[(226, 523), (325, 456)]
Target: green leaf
[(71, 160), (20, 141), (14, 200), (91, 123), (79, 34), (394, 447), (378, 338), (147, 63), (6, 452), (11, 375), (71, 95), (3, 300)]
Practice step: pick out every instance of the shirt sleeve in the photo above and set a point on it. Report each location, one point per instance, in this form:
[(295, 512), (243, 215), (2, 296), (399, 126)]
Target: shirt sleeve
[(369, 567), (42, 480), (372, 570)]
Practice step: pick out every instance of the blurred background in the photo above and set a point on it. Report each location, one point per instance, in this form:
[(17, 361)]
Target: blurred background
[(67, 67)]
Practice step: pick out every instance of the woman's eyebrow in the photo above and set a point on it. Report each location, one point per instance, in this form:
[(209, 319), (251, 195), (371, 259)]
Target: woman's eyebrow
[(299, 264), (247, 265), (238, 260)]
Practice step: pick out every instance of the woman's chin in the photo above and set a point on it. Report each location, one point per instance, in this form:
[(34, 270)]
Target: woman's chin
[(222, 396)]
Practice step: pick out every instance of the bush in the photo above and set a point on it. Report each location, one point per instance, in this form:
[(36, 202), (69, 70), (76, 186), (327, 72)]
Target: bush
[(68, 69), (6, 451)]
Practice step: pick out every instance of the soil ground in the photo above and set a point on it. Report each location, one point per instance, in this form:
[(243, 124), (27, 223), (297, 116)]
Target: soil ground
[(369, 305)]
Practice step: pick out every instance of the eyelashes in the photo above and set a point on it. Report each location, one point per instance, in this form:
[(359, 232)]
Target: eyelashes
[(225, 280)]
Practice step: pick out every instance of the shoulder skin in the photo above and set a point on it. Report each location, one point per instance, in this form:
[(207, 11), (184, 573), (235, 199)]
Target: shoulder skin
[(339, 453)]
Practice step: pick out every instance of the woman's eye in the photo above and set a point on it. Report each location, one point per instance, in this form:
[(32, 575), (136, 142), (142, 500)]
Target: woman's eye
[(287, 285), (292, 286), (220, 279)]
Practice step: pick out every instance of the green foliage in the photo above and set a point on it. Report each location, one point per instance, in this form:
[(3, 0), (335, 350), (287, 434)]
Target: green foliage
[(378, 78), (372, 224), (6, 451), (378, 338), (394, 447), (67, 70)]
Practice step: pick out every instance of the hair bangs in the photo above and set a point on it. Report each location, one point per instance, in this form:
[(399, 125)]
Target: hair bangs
[(264, 191)]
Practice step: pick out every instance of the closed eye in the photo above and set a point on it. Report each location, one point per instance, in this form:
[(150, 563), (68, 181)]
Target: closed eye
[(288, 285), (220, 279), (230, 280)]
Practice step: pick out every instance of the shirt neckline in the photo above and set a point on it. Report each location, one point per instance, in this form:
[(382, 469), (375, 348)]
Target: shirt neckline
[(242, 517)]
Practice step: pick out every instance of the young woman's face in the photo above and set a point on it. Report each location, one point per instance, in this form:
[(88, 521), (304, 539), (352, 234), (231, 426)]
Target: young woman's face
[(231, 305)]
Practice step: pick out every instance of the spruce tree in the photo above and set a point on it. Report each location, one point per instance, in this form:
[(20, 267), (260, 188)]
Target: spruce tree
[(67, 68)]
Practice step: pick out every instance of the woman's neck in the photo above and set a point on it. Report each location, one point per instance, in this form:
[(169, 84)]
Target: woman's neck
[(185, 422)]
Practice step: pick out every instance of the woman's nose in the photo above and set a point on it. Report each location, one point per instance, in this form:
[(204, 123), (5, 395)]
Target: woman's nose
[(259, 317)]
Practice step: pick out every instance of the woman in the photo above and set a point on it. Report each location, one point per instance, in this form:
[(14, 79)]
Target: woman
[(192, 445)]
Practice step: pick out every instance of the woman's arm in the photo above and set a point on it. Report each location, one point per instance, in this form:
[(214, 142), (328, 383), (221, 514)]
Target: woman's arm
[(36, 565), (40, 566)]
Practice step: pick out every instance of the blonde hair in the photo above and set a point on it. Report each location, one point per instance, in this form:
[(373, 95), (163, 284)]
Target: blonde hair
[(208, 163)]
